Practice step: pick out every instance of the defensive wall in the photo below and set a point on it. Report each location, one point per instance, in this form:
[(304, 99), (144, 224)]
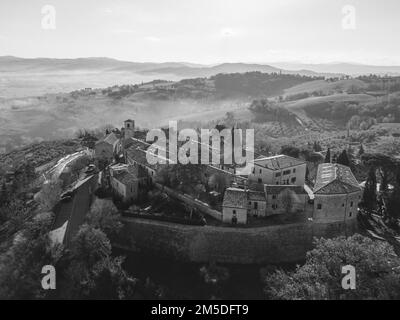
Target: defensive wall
[(259, 245)]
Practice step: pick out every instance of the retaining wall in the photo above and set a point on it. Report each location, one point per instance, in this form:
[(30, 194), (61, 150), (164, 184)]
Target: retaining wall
[(263, 245)]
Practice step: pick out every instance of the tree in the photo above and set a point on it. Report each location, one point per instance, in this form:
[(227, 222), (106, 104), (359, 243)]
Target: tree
[(104, 215), (214, 277), (343, 159), (90, 272), (384, 164), (218, 182), (393, 201), (21, 265), (4, 196), (290, 151), (369, 195), (317, 147), (376, 265), (393, 204), (361, 151), (328, 156), (50, 194)]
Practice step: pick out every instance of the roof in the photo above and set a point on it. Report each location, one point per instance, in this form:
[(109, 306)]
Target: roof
[(255, 186), (111, 139), (278, 162), (125, 177), (235, 198), (333, 178), (256, 196), (138, 149), (277, 189)]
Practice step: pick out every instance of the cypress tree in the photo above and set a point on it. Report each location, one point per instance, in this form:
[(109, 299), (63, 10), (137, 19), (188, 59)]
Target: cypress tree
[(361, 151), (369, 195), (343, 158), (328, 156)]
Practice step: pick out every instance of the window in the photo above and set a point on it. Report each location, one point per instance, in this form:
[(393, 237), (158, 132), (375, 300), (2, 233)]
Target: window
[(233, 212), (249, 203), (278, 174), (274, 206), (350, 214), (274, 196), (256, 205), (260, 171), (293, 180), (319, 206), (294, 170), (277, 182), (254, 170), (286, 172), (342, 204), (351, 204), (259, 180)]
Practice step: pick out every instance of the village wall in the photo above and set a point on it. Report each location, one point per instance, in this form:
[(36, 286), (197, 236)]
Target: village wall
[(263, 245)]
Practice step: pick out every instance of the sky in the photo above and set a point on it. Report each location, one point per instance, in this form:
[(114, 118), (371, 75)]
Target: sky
[(204, 31)]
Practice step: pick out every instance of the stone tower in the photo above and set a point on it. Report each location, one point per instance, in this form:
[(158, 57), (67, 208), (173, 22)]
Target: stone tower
[(129, 128)]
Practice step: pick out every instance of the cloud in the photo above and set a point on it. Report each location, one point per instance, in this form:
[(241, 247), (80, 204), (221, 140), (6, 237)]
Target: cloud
[(152, 39), (228, 32), (124, 31)]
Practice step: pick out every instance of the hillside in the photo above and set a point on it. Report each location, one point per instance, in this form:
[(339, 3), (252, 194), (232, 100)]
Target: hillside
[(353, 69), (54, 116), (20, 77)]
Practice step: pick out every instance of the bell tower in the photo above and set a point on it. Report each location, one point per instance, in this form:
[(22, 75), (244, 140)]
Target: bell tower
[(129, 128)]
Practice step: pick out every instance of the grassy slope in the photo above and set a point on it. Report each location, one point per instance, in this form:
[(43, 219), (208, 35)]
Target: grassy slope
[(325, 87)]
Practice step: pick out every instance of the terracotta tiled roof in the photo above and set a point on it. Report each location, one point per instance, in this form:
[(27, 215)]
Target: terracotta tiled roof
[(256, 196), (278, 162), (277, 189), (138, 150), (235, 198), (333, 178), (125, 177), (111, 139), (254, 186)]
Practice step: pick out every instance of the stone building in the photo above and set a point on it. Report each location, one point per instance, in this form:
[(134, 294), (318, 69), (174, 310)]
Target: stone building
[(234, 206), (128, 182), (106, 148), (129, 128), (337, 194), (257, 203), (278, 170), (285, 199)]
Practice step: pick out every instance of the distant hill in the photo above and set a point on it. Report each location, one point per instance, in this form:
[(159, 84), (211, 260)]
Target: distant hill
[(352, 69), (180, 69), (15, 64), (191, 72), (20, 77), (185, 69)]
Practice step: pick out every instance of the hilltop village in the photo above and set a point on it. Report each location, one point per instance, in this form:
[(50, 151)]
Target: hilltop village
[(271, 190)]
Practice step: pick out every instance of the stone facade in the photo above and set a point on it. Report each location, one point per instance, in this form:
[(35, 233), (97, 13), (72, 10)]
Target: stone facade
[(335, 196), (263, 245), (278, 170), (285, 199)]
